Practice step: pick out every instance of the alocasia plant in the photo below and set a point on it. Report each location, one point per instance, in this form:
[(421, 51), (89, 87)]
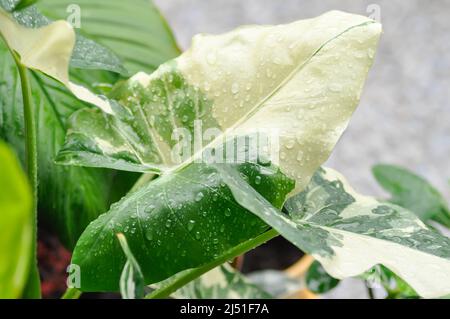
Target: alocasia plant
[(72, 197), (294, 88), (298, 83), (278, 88)]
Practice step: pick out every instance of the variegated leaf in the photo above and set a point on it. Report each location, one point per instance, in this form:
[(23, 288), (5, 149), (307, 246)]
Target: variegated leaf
[(222, 282), (48, 49), (413, 192), (131, 279), (299, 82), (350, 233), (280, 78)]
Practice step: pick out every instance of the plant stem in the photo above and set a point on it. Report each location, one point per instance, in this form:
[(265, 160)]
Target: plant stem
[(32, 289), (71, 293), (370, 291), (189, 275), (144, 179)]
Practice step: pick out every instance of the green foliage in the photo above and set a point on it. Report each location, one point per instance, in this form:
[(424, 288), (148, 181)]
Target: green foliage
[(413, 192), (22, 4), (318, 280), (15, 225), (131, 279), (222, 282), (132, 29), (182, 225), (72, 196), (179, 221)]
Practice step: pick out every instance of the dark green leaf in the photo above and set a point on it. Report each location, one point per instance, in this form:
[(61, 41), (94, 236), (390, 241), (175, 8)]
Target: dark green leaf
[(179, 221), (22, 4), (413, 192)]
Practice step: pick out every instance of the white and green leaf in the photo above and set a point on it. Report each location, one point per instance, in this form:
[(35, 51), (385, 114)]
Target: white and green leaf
[(280, 78), (413, 192), (222, 282), (47, 49), (349, 233), (86, 53), (131, 280), (132, 29), (300, 82)]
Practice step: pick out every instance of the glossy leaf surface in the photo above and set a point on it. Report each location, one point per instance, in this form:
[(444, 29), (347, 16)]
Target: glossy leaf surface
[(15, 225)]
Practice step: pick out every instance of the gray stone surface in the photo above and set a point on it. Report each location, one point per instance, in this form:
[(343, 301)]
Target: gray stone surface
[(404, 114)]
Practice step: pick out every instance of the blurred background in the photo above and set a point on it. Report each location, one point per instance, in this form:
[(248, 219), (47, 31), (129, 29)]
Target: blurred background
[(404, 114)]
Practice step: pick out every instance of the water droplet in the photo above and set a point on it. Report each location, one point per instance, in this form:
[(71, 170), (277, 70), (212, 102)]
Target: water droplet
[(334, 87), (228, 213), (191, 225), (258, 180), (290, 144), (149, 234), (168, 223), (199, 197), (235, 88)]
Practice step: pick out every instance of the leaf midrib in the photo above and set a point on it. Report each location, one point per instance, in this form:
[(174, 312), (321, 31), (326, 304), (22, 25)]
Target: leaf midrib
[(256, 108)]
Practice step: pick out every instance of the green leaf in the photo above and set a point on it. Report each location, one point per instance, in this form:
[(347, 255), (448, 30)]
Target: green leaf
[(22, 4), (133, 29), (72, 197), (15, 225), (395, 286), (318, 280), (131, 280), (222, 282), (349, 233), (86, 53), (179, 221), (413, 192), (69, 197), (284, 78)]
